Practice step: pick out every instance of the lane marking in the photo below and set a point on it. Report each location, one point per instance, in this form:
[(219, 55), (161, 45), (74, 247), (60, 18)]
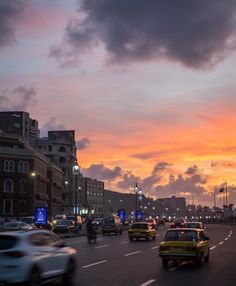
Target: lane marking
[(212, 247), (94, 264), (126, 241), (148, 282), (226, 238), (102, 246), (221, 242), (132, 253), (155, 247)]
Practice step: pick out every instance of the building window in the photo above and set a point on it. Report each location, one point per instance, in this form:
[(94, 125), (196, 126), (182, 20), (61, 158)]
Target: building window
[(50, 148), (26, 167), (62, 149), (23, 186), (8, 185), (6, 165), (62, 160), (21, 167), (7, 206), (11, 166)]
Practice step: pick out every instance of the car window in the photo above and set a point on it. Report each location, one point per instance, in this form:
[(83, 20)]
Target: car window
[(181, 236), (7, 241), (140, 225), (108, 220)]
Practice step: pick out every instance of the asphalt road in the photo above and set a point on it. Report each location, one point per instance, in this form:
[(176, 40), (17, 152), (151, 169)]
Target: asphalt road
[(115, 261)]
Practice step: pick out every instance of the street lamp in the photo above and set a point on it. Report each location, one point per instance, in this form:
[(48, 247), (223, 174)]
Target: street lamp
[(76, 172), (136, 200)]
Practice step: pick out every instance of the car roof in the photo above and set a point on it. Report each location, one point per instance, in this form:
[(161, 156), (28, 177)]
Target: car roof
[(185, 229), (24, 233)]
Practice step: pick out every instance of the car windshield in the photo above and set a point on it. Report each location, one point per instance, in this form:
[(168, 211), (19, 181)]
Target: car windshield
[(140, 225), (7, 241), (183, 235), (108, 220), (193, 225), (11, 224), (63, 222)]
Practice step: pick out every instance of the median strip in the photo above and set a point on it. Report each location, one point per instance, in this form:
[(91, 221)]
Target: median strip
[(132, 253), (94, 264)]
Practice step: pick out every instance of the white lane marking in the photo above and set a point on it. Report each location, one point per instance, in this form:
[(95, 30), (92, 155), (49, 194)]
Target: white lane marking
[(132, 253), (102, 246), (94, 264), (221, 242), (178, 266), (124, 241), (148, 282), (155, 247), (211, 248), (226, 238), (231, 232)]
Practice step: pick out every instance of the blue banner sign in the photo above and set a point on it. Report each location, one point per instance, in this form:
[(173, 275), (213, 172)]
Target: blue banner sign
[(40, 215)]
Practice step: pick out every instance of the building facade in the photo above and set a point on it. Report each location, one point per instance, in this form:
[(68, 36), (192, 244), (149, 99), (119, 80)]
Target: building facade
[(60, 148), (19, 123), (27, 179)]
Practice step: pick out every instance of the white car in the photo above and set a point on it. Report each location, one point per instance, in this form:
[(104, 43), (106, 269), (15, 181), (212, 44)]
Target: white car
[(35, 256)]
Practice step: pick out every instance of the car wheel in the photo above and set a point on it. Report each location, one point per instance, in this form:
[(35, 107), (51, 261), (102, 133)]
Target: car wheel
[(154, 237), (200, 260), (131, 238), (34, 279), (206, 258), (165, 262), (69, 274), (147, 237)]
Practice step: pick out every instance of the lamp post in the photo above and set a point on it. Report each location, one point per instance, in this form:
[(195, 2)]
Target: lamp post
[(76, 172), (136, 200)]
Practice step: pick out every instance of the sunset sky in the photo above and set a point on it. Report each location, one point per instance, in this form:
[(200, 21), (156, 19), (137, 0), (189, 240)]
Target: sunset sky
[(148, 86)]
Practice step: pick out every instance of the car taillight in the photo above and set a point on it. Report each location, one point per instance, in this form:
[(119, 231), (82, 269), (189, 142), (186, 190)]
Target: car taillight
[(15, 254)]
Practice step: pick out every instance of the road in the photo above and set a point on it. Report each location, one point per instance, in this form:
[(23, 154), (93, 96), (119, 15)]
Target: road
[(115, 261)]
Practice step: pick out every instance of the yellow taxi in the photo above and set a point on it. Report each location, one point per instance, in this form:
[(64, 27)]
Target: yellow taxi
[(141, 230), (184, 244)]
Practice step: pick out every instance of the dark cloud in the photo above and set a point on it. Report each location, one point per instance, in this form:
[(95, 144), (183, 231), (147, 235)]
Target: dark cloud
[(100, 172), (22, 98), (128, 181), (192, 170), (51, 125), (83, 143), (147, 155), (10, 11), (195, 33)]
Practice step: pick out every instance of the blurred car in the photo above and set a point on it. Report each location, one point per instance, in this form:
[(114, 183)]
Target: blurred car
[(35, 256), (193, 224), (141, 230), (77, 219), (177, 222), (152, 222), (58, 217), (16, 225), (64, 226), (112, 224), (161, 221), (184, 244), (97, 222)]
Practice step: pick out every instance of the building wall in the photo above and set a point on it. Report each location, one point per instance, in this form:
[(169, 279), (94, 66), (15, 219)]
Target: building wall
[(24, 178), (60, 148)]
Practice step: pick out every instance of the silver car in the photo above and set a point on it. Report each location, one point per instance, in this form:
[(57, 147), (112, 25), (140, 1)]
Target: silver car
[(35, 256)]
